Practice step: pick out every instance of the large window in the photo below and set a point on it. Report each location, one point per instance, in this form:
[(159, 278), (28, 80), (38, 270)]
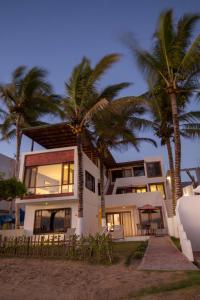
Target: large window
[(138, 171), (52, 220), (50, 179), (157, 187), (154, 169), (130, 189), (116, 174), (89, 181)]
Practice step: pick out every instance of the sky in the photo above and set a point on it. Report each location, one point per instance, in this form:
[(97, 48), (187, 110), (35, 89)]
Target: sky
[(56, 34)]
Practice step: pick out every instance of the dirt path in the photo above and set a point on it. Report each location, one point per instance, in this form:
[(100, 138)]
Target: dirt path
[(161, 254), (35, 279)]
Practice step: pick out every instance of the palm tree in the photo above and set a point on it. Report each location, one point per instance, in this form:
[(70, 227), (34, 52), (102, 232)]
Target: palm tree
[(175, 61), (113, 129), (82, 102), (158, 103), (25, 100)]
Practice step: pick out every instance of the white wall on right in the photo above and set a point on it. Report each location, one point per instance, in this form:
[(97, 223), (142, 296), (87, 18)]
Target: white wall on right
[(189, 213)]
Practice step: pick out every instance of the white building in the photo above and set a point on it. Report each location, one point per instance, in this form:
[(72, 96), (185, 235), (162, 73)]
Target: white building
[(135, 191)]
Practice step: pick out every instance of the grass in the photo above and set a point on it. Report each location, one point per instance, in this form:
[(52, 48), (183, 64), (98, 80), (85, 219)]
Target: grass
[(192, 280), (176, 242), (128, 251)]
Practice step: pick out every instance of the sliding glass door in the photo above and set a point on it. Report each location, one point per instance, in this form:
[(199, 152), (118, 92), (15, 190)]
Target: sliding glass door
[(120, 218)]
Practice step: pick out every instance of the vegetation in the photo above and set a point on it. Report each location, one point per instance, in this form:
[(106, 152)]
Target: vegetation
[(176, 242), (11, 188), (82, 102), (115, 128), (129, 251), (26, 99), (158, 103), (192, 280), (173, 64)]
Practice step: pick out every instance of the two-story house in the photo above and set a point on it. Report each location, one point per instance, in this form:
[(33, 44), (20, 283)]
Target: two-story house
[(135, 191)]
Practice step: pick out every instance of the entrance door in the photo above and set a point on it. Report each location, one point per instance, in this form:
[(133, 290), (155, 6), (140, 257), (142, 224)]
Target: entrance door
[(120, 218)]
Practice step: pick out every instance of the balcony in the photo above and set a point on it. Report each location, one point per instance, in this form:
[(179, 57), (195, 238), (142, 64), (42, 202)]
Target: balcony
[(50, 191), (134, 199)]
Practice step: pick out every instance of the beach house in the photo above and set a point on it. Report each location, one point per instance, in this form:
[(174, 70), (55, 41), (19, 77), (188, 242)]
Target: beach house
[(136, 192)]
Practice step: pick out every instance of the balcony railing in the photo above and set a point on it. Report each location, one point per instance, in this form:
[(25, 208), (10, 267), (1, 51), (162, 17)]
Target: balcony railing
[(51, 190)]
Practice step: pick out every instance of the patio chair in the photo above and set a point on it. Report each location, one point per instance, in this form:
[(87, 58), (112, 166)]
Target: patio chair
[(103, 230), (118, 232), (153, 228), (70, 232)]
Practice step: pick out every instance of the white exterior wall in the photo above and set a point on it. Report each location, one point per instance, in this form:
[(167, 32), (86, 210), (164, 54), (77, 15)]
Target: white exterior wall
[(57, 197), (141, 180), (131, 201), (188, 210), (91, 200), (30, 213)]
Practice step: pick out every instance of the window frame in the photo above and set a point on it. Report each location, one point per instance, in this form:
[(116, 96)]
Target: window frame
[(35, 179), (93, 182), (36, 232), (139, 166), (158, 183), (154, 162)]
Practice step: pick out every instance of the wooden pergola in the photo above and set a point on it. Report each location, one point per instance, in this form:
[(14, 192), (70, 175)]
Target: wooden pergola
[(61, 135)]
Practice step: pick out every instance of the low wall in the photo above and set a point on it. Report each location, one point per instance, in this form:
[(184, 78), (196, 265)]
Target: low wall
[(12, 232), (188, 210)]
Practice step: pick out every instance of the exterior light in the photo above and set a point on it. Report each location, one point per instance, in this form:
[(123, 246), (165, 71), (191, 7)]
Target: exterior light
[(168, 178)]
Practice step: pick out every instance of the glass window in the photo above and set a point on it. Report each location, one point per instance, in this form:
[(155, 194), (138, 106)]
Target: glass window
[(50, 179), (158, 187), (52, 220), (127, 173), (140, 189), (89, 181), (154, 169), (138, 171), (116, 174)]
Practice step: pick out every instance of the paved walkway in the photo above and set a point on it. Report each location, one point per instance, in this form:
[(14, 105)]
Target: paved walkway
[(161, 254)]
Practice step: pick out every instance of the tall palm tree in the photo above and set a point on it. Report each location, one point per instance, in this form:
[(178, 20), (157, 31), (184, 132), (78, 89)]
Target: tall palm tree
[(82, 102), (174, 60), (114, 129), (158, 103), (25, 100)]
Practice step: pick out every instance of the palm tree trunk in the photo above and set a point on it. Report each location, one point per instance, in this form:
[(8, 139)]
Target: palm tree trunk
[(171, 166), (177, 146), (80, 185), (18, 146), (103, 212)]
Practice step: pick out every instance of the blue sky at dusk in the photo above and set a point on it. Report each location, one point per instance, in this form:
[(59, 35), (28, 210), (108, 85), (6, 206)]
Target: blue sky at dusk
[(57, 34)]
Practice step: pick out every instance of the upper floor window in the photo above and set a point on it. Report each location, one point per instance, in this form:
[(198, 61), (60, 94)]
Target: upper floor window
[(138, 171), (116, 174), (89, 181), (127, 173), (154, 169), (157, 187), (130, 189), (50, 179)]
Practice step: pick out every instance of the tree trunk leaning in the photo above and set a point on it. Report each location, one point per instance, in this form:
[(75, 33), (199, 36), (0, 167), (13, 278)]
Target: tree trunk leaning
[(80, 185), (103, 213), (18, 147), (177, 147), (171, 166)]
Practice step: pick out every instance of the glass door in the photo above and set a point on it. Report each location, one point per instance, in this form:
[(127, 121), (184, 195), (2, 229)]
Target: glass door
[(120, 218)]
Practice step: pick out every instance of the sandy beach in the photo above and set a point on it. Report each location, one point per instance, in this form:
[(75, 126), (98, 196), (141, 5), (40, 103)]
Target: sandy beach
[(58, 279)]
